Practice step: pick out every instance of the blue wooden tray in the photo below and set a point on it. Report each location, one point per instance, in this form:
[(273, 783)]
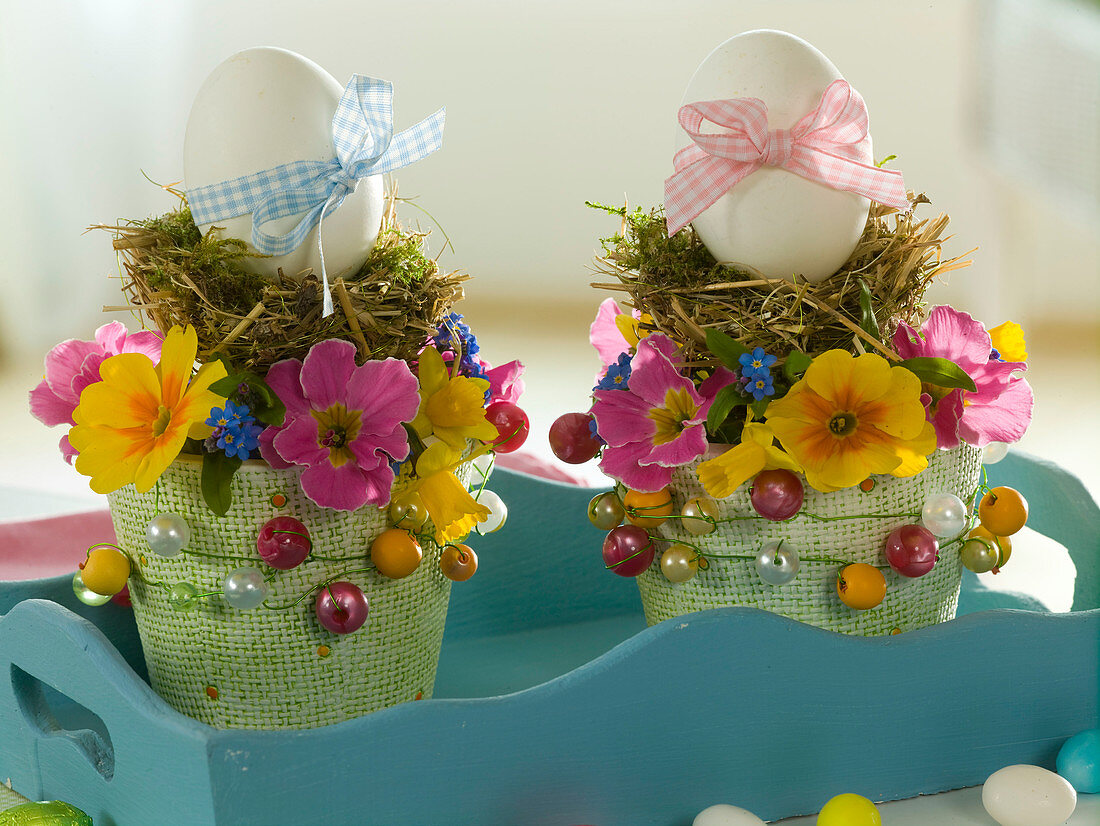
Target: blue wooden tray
[(556, 705)]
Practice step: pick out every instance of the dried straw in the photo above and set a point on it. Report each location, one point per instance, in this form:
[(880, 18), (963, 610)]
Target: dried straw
[(686, 291), (174, 275)]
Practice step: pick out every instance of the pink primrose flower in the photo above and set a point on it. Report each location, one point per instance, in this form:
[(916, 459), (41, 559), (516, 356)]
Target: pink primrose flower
[(343, 423), (655, 425), (73, 365), (505, 382), (999, 410), (605, 334)]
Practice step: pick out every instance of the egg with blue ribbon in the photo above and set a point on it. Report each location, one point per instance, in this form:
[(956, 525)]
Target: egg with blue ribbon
[(278, 154)]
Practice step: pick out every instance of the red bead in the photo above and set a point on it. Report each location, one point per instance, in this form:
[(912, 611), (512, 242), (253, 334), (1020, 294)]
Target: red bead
[(628, 550), (776, 494), (284, 543), (911, 550), (341, 607), (572, 439), (511, 423)]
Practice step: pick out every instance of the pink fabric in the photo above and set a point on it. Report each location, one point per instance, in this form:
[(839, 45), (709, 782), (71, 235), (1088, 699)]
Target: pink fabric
[(823, 147), (49, 547), (524, 462)]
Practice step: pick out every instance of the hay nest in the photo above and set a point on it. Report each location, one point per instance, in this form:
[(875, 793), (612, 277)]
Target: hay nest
[(174, 275), (678, 283)]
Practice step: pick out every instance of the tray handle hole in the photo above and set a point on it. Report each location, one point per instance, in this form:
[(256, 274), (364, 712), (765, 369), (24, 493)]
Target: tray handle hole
[(55, 714)]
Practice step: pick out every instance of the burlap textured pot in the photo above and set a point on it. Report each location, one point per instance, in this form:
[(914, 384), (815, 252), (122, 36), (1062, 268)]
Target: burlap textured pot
[(275, 667), (850, 524)]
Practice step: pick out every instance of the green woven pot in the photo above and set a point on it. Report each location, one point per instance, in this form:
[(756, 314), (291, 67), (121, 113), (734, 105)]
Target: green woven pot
[(839, 532), (275, 668)]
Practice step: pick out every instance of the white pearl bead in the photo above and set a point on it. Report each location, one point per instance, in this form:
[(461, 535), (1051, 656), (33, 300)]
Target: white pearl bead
[(498, 512), (944, 514), (777, 563), (167, 534), (246, 588), (994, 452)]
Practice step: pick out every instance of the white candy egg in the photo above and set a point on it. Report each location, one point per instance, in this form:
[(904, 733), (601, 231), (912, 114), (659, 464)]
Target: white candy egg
[(260, 109), (726, 815), (1028, 796), (773, 220)]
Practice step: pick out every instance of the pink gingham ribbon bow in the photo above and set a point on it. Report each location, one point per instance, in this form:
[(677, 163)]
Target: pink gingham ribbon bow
[(821, 147)]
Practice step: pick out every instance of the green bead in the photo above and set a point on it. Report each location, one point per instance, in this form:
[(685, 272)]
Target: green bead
[(86, 594), (183, 596)]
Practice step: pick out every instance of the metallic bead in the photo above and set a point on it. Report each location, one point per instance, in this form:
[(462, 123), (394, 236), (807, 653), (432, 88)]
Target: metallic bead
[(679, 563), (699, 515), (605, 511)]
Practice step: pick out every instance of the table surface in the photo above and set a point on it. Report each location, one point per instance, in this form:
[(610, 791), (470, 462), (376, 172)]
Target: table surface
[(962, 807)]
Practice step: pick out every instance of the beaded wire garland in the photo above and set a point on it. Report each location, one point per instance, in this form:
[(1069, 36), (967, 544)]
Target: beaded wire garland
[(321, 677), (830, 531)]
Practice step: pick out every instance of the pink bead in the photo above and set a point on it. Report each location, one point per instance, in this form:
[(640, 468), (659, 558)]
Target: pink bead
[(911, 550), (628, 550), (284, 543), (341, 607), (776, 494)]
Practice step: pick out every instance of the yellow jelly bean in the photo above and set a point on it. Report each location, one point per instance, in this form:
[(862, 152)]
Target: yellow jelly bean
[(849, 810)]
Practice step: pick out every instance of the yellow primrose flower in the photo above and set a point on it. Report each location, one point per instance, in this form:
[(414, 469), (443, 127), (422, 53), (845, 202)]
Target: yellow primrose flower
[(631, 327), (132, 423), (724, 474), (850, 417), (1008, 341), (451, 408), (452, 509)]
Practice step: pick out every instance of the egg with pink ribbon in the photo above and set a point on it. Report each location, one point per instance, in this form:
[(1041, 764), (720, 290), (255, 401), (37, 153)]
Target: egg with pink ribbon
[(774, 168), (260, 110)]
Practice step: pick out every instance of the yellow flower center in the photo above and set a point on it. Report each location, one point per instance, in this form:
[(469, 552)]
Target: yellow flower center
[(336, 428), (843, 424), (670, 419), (163, 419)]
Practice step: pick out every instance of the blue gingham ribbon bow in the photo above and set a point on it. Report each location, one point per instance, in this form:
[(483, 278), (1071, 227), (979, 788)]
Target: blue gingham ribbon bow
[(362, 133)]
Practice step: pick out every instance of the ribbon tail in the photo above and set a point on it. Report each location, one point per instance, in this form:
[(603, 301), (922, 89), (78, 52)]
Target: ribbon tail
[(885, 186), (691, 190)]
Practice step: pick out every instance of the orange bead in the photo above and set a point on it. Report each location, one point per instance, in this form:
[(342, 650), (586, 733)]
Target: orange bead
[(647, 510), (1003, 511), (458, 562), (860, 586), (395, 553)]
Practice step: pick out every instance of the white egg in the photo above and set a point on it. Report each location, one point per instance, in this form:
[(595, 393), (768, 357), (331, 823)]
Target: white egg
[(725, 815), (260, 109), (1028, 796), (774, 220)]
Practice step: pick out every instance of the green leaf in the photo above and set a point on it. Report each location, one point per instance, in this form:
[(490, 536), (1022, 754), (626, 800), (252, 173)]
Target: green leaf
[(268, 408), (940, 372), (726, 349), (867, 320), (759, 406), (226, 387), (727, 399), (217, 473), (795, 365)]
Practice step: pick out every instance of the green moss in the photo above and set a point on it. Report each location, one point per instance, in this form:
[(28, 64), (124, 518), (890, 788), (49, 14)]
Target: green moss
[(211, 263), (647, 249)]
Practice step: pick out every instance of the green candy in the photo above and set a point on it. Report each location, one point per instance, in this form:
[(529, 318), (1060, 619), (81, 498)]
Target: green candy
[(50, 813)]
